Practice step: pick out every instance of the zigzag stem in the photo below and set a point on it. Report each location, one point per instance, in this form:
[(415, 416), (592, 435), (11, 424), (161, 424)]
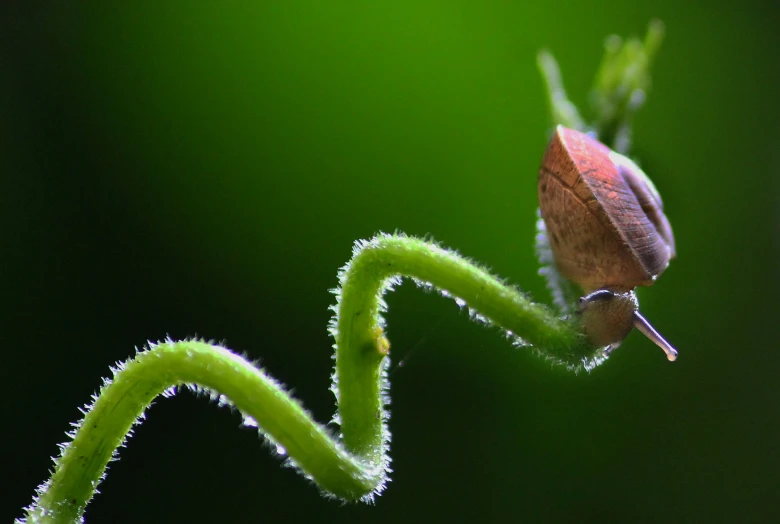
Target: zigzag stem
[(351, 466)]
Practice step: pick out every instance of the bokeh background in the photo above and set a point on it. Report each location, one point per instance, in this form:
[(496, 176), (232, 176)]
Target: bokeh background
[(178, 169)]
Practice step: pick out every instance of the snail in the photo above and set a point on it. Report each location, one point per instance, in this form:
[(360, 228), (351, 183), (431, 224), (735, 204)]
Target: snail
[(607, 232)]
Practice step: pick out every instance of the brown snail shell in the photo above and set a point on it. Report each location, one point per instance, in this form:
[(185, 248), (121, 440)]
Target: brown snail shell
[(607, 232), (605, 222)]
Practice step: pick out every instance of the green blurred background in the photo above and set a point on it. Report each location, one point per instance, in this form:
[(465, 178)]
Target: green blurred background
[(188, 168)]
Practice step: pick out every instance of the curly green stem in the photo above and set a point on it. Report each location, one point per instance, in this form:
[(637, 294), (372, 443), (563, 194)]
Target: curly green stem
[(353, 466)]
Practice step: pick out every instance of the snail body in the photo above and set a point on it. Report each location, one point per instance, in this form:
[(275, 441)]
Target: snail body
[(607, 231)]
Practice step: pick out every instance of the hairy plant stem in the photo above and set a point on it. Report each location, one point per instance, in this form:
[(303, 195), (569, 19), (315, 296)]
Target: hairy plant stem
[(353, 466)]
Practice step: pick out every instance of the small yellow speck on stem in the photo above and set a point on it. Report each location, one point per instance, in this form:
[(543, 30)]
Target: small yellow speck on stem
[(382, 342)]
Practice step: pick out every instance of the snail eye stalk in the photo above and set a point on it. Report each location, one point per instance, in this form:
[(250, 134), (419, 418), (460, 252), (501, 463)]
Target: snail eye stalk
[(649, 331)]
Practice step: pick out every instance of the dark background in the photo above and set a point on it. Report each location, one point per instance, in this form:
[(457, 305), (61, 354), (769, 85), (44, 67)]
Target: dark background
[(180, 169)]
